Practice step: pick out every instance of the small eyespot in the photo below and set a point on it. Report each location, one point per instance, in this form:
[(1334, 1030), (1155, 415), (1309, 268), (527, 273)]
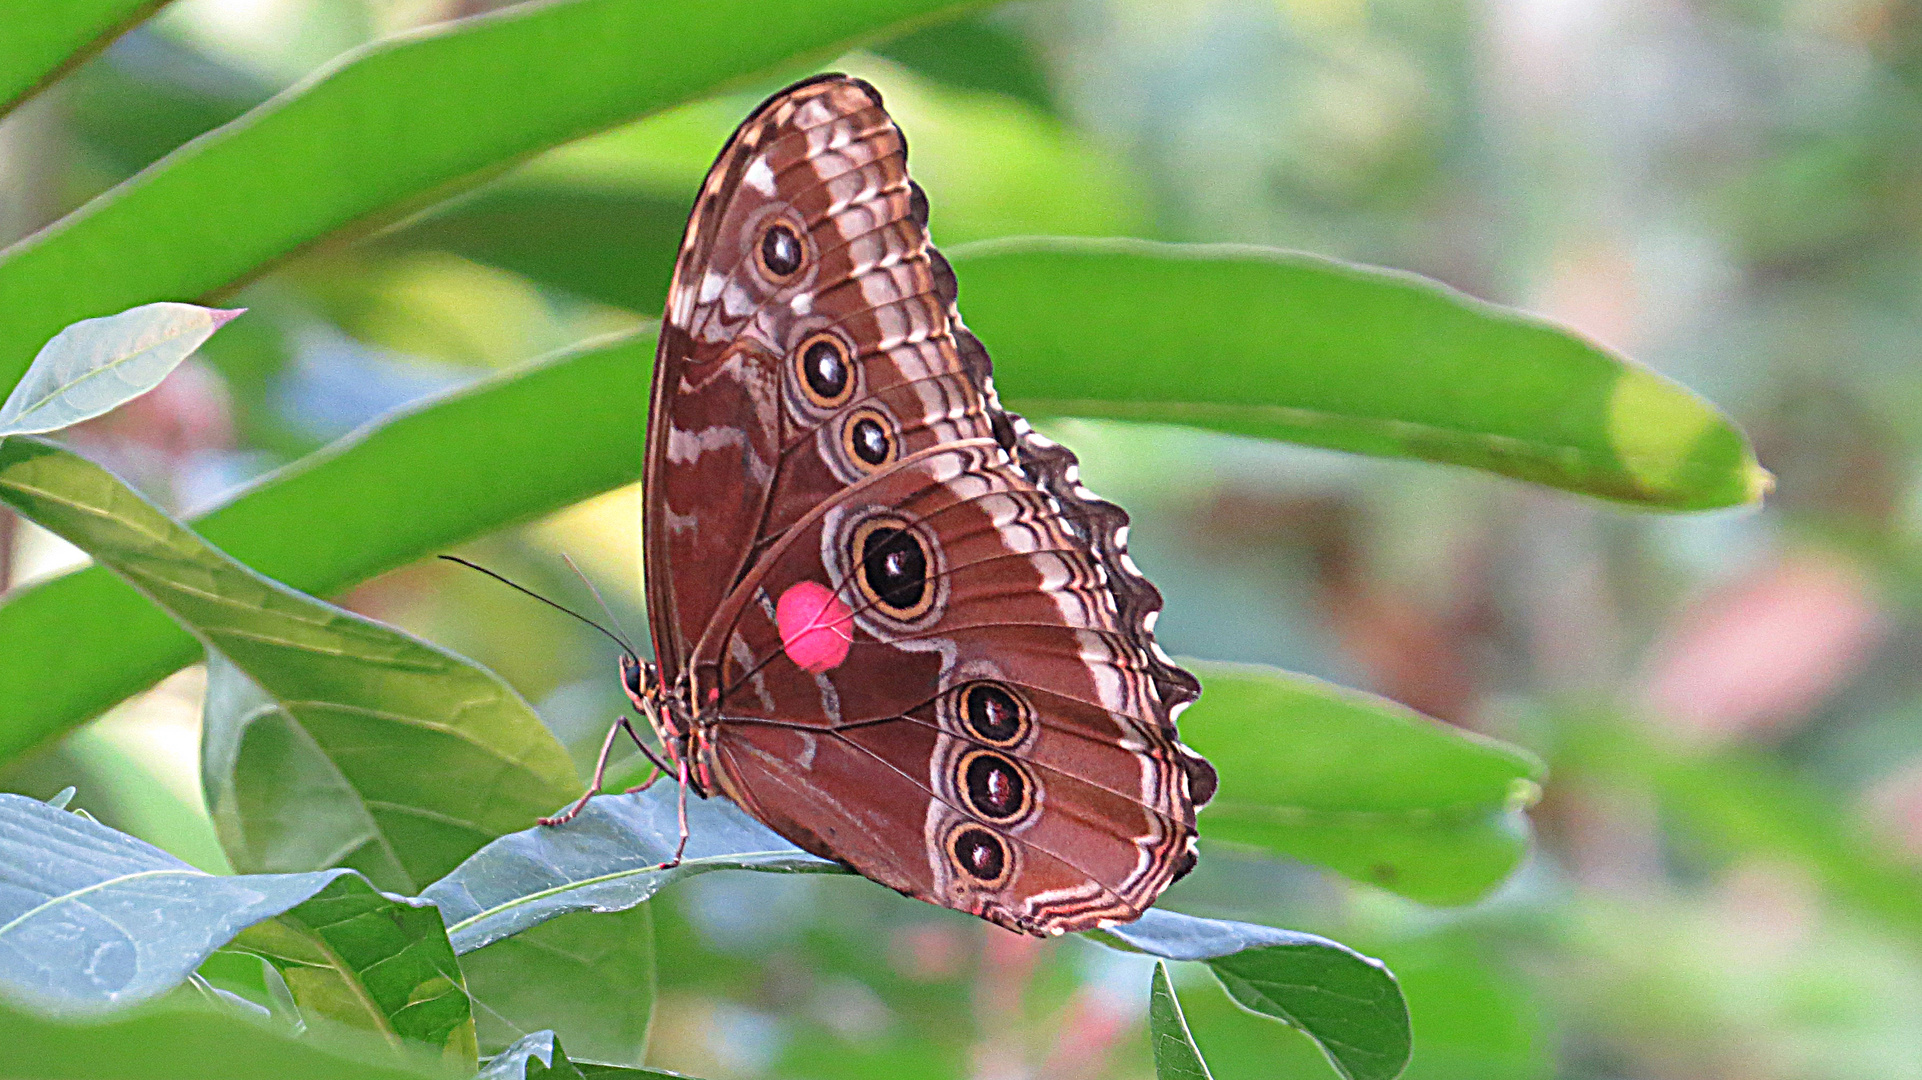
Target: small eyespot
[(980, 854), (781, 251), (865, 436), (993, 785), (891, 566), (993, 714), (823, 365)]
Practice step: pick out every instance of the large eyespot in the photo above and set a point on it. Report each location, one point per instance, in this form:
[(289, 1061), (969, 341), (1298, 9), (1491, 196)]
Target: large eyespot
[(781, 251), (994, 714), (867, 437), (891, 566), (980, 854), (822, 364), (993, 785)]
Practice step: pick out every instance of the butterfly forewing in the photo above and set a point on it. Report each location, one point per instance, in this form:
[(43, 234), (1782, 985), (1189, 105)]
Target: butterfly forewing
[(911, 640)]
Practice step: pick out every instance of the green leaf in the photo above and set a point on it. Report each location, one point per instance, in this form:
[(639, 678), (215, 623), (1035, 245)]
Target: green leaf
[(530, 442), (377, 963), (173, 1042), (588, 974), (377, 703), (539, 1057), (1176, 1056), (395, 126), (1359, 784), (607, 859), (1347, 1003), (93, 919), (1290, 346), (44, 41), (96, 365)]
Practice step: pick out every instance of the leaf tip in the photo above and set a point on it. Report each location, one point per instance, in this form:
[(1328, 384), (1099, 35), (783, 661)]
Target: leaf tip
[(1758, 483), (223, 316)]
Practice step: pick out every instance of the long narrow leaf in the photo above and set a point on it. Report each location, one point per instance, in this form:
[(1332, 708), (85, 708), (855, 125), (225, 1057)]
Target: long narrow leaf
[(44, 40), (502, 451), (1289, 346), (390, 128)]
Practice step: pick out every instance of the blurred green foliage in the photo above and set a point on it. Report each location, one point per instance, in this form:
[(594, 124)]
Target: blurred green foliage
[(1726, 882)]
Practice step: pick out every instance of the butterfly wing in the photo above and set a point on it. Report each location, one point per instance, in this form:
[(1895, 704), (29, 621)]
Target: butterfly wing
[(917, 643)]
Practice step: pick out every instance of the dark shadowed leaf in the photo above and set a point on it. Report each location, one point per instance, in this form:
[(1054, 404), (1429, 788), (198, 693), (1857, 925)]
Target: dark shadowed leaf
[(96, 365), (539, 1057), (1347, 1003), (1359, 784), (92, 919), (1176, 1056), (603, 860), (374, 701), (505, 450), (1297, 347), (364, 960), (173, 1042), (43, 41), (392, 127), (588, 975)]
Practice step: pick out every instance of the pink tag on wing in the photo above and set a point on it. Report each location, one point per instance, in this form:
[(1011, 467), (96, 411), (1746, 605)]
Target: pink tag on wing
[(816, 626)]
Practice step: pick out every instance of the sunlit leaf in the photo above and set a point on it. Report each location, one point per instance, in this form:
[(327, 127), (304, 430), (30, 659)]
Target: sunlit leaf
[(1359, 784), (1290, 346), (96, 365), (375, 702), (392, 127), (92, 919), (364, 960), (43, 41), (1176, 1056)]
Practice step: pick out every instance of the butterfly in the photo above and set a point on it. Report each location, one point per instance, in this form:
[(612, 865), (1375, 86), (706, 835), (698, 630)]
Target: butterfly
[(888, 620)]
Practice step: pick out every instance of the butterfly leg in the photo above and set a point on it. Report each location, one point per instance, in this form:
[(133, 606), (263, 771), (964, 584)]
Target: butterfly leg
[(681, 847), (600, 770)]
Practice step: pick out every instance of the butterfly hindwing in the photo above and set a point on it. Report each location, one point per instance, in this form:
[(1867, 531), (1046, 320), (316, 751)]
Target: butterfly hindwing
[(912, 640)]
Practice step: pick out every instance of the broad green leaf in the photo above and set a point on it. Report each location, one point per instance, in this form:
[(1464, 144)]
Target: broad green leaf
[(505, 450), (1347, 1003), (96, 365), (355, 957), (172, 1042), (1176, 1056), (588, 975), (1359, 784), (389, 129), (539, 1057), (1290, 346), (604, 860), (378, 703), (93, 919), (45, 40)]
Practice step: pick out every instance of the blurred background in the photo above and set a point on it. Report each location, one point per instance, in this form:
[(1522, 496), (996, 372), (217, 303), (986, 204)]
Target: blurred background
[(1727, 881)]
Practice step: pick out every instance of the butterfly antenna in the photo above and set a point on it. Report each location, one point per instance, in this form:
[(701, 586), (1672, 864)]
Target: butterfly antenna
[(609, 634), (598, 598)]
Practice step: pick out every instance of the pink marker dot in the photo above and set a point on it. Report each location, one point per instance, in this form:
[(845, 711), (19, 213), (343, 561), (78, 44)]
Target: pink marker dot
[(816, 626)]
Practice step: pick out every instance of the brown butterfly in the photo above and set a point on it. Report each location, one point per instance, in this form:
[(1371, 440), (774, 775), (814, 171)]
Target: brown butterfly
[(888, 620)]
